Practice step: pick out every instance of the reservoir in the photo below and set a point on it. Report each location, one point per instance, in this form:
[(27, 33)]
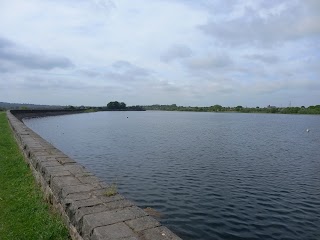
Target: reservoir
[(207, 175)]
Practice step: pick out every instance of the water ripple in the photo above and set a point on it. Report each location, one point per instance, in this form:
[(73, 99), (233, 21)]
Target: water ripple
[(211, 176)]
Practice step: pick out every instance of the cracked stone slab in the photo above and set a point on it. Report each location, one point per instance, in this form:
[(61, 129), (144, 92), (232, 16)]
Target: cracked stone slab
[(58, 183), (110, 217), (89, 179), (77, 196), (76, 189), (118, 204), (143, 223), (48, 172), (76, 219), (73, 207), (114, 231), (77, 169), (65, 160)]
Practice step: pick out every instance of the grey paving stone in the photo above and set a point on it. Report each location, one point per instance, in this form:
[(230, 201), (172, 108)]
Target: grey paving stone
[(77, 170), (74, 206), (76, 219), (48, 164), (112, 232), (65, 160), (38, 153), (89, 179), (57, 183), (118, 204), (47, 171), (77, 196), (159, 233), (110, 217), (143, 223), (76, 189), (85, 203), (45, 162), (57, 174)]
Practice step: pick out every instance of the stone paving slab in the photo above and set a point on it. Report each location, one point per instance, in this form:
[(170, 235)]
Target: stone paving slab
[(114, 231), (143, 223), (110, 217)]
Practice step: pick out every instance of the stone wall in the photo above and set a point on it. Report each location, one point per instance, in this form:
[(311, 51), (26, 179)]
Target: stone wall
[(80, 196)]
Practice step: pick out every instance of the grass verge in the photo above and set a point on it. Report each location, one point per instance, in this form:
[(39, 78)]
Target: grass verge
[(23, 212)]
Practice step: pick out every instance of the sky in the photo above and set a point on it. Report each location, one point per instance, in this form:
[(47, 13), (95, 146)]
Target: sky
[(143, 52)]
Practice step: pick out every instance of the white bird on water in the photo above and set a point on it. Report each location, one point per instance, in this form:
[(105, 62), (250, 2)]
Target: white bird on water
[(308, 130)]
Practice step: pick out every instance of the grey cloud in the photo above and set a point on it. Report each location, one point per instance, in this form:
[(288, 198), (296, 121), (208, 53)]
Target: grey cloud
[(5, 43), (295, 22), (267, 87), (263, 58), (16, 55), (126, 71), (210, 63), (176, 52)]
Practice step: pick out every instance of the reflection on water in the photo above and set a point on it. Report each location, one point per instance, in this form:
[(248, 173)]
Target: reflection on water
[(209, 175)]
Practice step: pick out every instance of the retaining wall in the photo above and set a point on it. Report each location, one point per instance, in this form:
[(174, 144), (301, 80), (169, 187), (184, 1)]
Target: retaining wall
[(79, 196)]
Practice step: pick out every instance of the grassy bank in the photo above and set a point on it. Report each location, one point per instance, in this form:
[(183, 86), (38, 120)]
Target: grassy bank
[(23, 213)]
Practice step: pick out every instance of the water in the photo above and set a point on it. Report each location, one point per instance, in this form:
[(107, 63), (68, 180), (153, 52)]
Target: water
[(210, 175)]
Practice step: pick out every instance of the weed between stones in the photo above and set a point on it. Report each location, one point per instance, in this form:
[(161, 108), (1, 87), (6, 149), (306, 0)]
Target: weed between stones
[(112, 190)]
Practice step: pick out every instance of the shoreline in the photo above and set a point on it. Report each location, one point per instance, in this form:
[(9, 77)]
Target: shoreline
[(78, 195)]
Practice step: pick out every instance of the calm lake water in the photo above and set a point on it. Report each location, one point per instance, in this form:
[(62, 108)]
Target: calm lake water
[(210, 175)]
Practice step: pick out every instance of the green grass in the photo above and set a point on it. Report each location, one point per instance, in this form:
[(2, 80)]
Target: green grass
[(23, 212)]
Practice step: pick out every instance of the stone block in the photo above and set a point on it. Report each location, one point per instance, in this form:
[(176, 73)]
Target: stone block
[(65, 160), (74, 206), (91, 179), (114, 231), (76, 189), (57, 183), (77, 196), (118, 204), (78, 215), (77, 170), (110, 217), (49, 172), (143, 223)]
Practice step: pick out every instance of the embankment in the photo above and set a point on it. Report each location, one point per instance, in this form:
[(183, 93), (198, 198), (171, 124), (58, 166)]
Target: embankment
[(79, 195)]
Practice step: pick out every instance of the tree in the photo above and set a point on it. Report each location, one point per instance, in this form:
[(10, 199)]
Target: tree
[(116, 105), (238, 108), (122, 105), (216, 108)]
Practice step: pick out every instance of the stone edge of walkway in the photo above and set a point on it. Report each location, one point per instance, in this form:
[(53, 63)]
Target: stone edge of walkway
[(79, 196)]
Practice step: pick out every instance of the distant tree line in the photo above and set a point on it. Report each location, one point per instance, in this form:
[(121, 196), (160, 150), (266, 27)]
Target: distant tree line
[(121, 106), (111, 106), (218, 108)]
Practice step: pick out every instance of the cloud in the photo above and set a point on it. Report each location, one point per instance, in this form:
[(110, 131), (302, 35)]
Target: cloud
[(125, 71), (270, 59), (17, 55), (269, 87), (266, 25), (162, 51), (209, 63), (175, 52)]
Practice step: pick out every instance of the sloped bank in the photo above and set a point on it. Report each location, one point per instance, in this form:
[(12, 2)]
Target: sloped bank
[(79, 195)]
